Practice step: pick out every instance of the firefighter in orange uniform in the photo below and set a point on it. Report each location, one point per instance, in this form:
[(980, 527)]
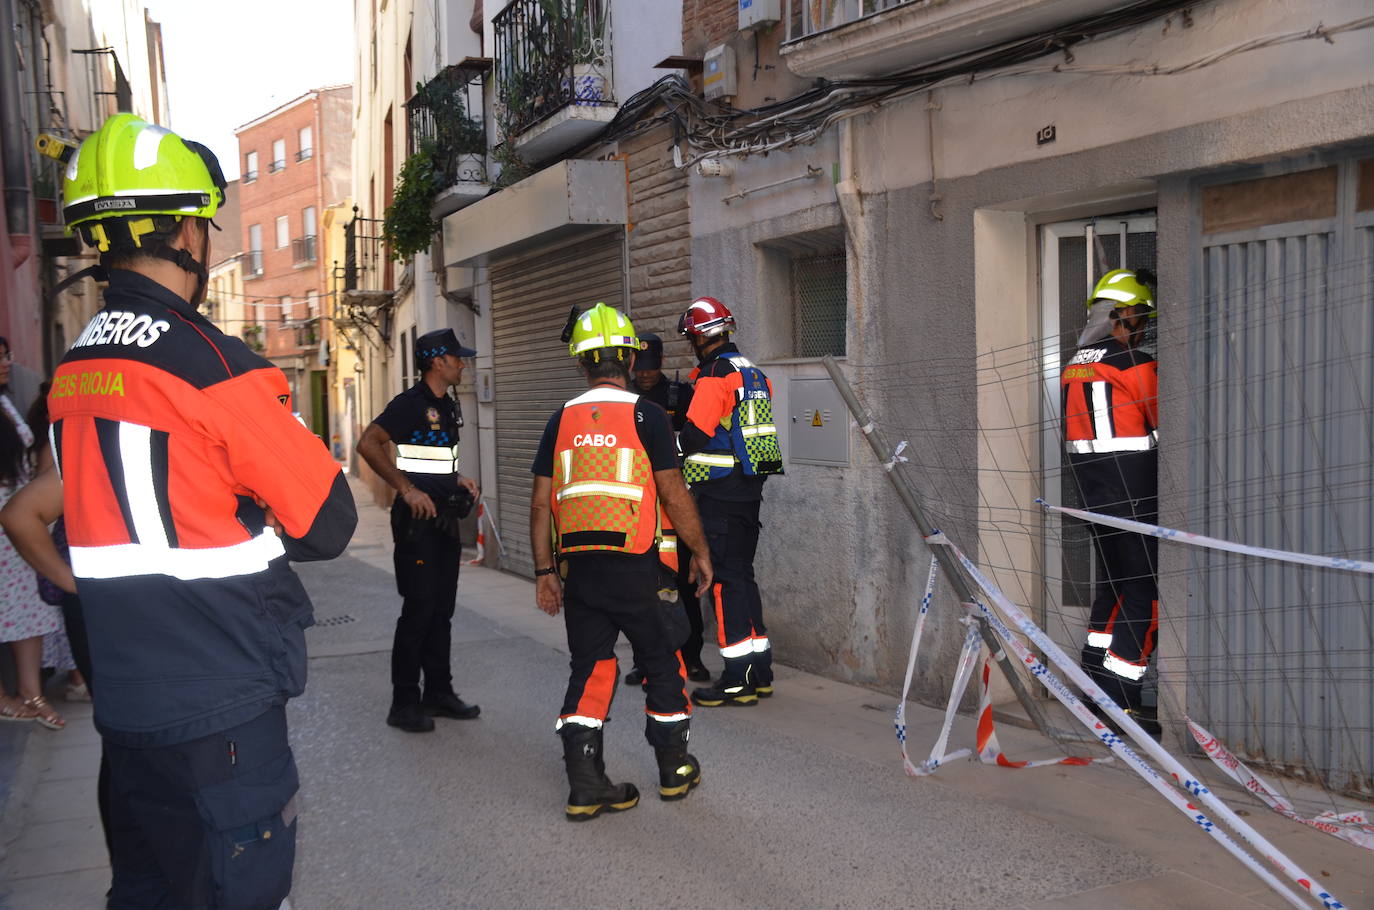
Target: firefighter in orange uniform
[(605, 464), (1111, 429), (188, 487)]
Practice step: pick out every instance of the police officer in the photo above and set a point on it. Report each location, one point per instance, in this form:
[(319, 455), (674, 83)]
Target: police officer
[(605, 465), (674, 397), (423, 422), (187, 487), (731, 448), (1110, 393)]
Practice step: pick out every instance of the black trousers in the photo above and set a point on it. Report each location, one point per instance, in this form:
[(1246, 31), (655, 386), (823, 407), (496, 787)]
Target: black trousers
[(603, 596), (1126, 603), (732, 532), (427, 562), (208, 824), (75, 622), (687, 596)]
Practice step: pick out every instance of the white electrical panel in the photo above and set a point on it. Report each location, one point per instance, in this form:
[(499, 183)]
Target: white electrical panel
[(754, 13), (719, 73)]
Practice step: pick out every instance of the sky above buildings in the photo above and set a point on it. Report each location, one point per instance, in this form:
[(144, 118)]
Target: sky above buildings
[(231, 62)]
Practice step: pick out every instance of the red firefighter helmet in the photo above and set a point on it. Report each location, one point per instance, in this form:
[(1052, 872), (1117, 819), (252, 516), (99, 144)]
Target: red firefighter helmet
[(705, 318)]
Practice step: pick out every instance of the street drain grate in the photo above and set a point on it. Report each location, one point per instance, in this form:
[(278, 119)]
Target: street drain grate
[(335, 620)]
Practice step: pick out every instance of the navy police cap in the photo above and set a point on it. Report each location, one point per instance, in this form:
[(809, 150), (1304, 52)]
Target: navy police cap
[(438, 343), (650, 356)]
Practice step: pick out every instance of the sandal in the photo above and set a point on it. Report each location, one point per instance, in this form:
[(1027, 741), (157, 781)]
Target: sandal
[(44, 713), (77, 693), (12, 709)]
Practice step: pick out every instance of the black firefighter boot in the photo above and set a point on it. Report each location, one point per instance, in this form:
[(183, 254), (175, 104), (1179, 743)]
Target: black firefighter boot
[(590, 790), (678, 770)]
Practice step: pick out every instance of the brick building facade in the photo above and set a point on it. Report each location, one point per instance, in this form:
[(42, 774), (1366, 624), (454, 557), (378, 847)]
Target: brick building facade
[(295, 161)]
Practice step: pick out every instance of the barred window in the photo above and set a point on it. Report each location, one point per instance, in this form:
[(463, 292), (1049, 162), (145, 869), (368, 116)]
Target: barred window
[(819, 300)]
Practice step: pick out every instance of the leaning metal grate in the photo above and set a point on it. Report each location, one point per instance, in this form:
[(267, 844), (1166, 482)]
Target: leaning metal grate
[(819, 295), (335, 620)]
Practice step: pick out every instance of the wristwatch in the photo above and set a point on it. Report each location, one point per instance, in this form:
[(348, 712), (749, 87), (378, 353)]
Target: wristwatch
[(549, 571)]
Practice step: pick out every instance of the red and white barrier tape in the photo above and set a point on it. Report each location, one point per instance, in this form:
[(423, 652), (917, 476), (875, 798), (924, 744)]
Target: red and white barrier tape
[(1352, 827), (1214, 543), (989, 750), (1122, 749), (481, 538)]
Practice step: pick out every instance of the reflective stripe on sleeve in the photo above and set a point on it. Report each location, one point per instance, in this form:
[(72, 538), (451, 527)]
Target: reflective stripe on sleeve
[(1099, 639), (130, 559), (1122, 668), (761, 644)]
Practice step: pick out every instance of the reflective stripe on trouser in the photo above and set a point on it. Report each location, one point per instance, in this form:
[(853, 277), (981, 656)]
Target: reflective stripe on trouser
[(732, 532), (618, 593)]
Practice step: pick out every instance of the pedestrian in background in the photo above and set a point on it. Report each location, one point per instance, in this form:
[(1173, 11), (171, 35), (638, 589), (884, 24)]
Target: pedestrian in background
[(24, 618), (188, 486), (432, 498), (605, 465)]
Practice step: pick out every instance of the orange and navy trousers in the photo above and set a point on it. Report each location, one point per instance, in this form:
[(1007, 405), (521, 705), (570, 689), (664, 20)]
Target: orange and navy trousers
[(732, 533), (604, 594)]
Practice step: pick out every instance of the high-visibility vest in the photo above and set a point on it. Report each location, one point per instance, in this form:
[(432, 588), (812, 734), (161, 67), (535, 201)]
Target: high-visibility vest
[(604, 496), (746, 437)]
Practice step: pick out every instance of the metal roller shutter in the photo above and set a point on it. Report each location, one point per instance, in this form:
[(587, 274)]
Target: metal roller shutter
[(533, 374)]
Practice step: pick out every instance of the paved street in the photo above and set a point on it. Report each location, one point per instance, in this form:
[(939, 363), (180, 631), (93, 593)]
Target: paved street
[(802, 804)]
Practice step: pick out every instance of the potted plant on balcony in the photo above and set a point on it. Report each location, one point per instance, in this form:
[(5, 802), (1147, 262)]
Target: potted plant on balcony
[(408, 227), (460, 139), (588, 53)]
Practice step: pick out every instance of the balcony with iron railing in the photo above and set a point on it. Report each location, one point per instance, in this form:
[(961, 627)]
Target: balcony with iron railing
[(252, 263), (303, 250), (837, 39), (553, 73), (447, 119), (367, 274)]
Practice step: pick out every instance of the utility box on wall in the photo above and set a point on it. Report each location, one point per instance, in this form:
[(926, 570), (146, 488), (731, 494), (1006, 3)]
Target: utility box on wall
[(818, 423), (753, 13), (719, 77)]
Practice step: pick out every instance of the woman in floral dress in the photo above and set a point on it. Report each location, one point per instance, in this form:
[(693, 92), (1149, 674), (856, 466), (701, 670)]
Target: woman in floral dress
[(24, 618)]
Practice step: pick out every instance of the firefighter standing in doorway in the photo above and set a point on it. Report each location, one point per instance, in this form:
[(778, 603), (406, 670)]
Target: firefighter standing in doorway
[(605, 465), (1111, 431), (432, 497), (731, 448), (187, 486), (674, 397)]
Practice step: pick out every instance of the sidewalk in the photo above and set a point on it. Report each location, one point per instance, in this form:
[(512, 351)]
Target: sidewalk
[(803, 801)]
